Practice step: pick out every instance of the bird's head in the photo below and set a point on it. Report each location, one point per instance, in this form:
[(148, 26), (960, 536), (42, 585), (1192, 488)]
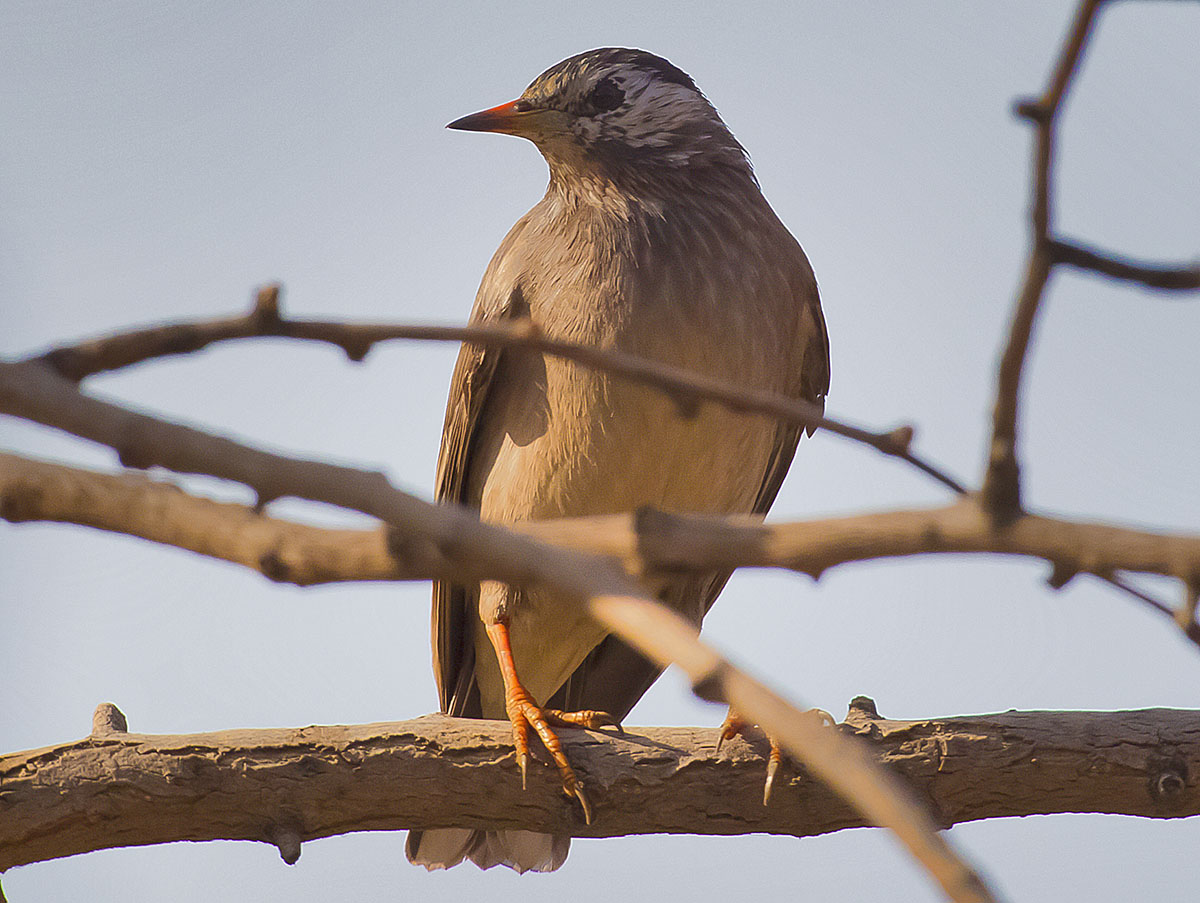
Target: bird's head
[(615, 110)]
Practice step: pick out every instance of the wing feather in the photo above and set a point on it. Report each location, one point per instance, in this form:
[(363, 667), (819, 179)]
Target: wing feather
[(453, 648)]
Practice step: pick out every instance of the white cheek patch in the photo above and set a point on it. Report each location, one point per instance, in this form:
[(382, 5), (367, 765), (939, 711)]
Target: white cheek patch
[(654, 109)]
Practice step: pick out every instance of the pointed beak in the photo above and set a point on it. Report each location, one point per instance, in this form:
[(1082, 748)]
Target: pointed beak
[(506, 118)]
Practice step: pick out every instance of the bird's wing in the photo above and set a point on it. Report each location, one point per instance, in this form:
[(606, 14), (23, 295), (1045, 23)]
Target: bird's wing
[(614, 676), (453, 649), (812, 384)]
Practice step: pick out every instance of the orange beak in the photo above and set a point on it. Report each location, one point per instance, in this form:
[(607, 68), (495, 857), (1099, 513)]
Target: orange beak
[(505, 118)]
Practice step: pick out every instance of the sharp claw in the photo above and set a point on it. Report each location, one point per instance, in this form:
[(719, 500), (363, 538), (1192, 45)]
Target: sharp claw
[(772, 768), (730, 728), (523, 761), (578, 793)]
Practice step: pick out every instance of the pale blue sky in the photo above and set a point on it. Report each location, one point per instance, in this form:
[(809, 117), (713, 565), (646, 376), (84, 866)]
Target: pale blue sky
[(159, 160)]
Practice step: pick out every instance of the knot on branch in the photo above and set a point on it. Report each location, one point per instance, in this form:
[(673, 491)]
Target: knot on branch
[(274, 568), (1062, 573), (1033, 110), (266, 306), (107, 720), (19, 503), (1168, 778), (134, 457), (862, 715), (901, 438), (864, 706), (287, 839)]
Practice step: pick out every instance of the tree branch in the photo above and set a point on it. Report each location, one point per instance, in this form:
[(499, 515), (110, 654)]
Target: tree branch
[(289, 786), (430, 533), (1002, 483), (125, 349), (647, 542), (136, 505), (1176, 277)]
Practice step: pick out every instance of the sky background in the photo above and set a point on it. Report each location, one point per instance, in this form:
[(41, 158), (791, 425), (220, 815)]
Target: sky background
[(161, 160)]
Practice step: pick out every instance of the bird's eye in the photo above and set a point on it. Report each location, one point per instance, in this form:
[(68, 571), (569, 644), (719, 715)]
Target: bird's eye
[(606, 96)]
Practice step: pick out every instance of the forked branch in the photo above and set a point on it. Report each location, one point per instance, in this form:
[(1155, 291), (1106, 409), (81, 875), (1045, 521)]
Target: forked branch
[(1001, 491)]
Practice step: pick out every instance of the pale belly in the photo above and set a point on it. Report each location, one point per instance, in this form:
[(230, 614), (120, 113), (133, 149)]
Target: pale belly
[(581, 444)]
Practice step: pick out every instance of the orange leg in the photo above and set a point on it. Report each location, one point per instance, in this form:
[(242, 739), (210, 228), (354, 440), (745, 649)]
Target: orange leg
[(734, 725), (524, 714)]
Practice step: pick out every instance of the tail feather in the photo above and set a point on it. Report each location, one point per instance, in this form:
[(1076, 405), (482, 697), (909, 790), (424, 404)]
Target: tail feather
[(443, 848), (522, 851)]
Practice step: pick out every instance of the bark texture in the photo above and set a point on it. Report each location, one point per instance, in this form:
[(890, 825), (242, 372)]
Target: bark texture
[(284, 787)]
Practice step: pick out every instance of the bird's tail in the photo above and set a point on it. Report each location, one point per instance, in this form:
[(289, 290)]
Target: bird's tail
[(522, 851)]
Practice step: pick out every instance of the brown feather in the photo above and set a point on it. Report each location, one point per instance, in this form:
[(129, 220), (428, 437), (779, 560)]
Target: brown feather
[(653, 237)]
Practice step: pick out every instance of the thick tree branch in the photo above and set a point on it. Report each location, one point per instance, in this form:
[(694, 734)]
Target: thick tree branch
[(136, 505), (33, 390), (289, 786), (649, 541), (125, 349)]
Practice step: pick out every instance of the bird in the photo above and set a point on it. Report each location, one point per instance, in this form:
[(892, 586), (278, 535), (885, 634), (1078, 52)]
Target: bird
[(653, 238)]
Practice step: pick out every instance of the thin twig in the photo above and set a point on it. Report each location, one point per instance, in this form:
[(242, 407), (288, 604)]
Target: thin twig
[(1167, 277), (1140, 595), (1002, 483), (1190, 628), (125, 349)]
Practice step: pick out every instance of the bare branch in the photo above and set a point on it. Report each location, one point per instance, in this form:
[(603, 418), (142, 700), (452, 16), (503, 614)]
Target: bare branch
[(33, 390), (643, 543), (133, 504), (647, 542), (1158, 276), (1002, 484), (289, 786), (132, 347), (1131, 590)]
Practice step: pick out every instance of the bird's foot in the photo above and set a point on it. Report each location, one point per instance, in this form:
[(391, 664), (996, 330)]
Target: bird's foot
[(525, 714), (734, 725)]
